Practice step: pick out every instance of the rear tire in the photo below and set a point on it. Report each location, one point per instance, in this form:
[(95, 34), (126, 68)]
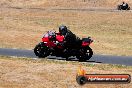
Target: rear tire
[(87, 54), (90, 53), (41, 51)]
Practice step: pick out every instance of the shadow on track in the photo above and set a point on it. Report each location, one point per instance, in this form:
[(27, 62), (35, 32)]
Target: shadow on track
[(70, 59)]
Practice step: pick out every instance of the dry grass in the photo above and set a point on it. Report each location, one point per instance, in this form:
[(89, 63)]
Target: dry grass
[(62, 3), (27, 73)]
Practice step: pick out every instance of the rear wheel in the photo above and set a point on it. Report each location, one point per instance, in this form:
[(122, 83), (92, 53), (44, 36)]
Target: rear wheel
[(89, 53), (85, 54), (41, 51)]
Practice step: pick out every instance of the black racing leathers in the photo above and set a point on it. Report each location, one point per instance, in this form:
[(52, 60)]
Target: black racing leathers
[(71, 40)]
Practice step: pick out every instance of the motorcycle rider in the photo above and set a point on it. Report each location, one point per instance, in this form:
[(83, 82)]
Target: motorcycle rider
[(70, 38), (125, 5)]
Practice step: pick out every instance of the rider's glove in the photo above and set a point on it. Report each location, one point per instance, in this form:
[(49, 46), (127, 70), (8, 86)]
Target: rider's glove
[(56, 42)]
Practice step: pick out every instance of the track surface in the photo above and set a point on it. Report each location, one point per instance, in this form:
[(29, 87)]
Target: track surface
[(95, 59)]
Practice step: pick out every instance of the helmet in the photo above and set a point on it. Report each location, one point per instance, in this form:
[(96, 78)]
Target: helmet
[(123, 2), (63, 30)]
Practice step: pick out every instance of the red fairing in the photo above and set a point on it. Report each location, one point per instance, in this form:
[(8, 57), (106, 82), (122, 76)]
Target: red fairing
[(60, 38), (50, 44), (85, 44), (45, 39)]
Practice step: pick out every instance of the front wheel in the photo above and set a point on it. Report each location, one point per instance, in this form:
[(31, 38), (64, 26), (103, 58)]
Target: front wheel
[(41, 51)]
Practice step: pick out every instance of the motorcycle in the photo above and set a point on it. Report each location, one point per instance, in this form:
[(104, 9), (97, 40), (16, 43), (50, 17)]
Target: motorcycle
[(123, 7), (54, 44)]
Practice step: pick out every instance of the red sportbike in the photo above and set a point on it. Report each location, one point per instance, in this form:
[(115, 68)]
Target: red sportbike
[(54, 44)]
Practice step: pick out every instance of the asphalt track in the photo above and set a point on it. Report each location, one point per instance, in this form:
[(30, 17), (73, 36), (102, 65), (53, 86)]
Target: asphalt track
[(122, 60)]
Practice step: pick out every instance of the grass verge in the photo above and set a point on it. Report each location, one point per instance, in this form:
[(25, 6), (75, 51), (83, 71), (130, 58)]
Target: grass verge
[(44, 73)]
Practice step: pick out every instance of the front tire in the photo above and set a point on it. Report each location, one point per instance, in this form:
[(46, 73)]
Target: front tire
[(41, 51)]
